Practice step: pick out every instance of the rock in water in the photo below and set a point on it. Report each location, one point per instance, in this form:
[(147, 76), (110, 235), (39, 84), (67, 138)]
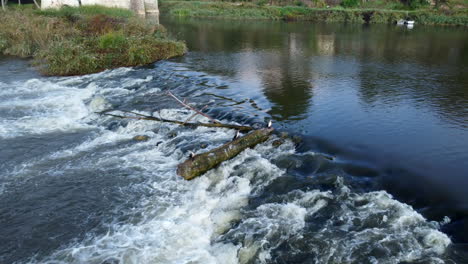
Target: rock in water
[(277, 143), (297, 140), (141, 138)]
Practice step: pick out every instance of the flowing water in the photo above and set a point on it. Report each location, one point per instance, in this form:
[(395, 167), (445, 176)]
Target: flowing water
[(379, 177)]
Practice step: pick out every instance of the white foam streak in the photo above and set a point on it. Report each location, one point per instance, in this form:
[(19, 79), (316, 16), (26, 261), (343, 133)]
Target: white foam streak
[(362, 225), (52, 108)]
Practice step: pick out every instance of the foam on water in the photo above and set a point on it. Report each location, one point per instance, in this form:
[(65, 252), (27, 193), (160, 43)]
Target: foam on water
[(344, 227), (209, 219), (44, 106), (59, 104), (191, 222), (181, 221)]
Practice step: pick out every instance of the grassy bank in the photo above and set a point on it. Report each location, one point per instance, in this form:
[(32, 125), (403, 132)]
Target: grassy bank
[(332, 14), (75, 41)]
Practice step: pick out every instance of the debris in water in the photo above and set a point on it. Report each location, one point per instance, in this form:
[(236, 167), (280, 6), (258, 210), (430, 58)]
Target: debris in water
[(141, 138)]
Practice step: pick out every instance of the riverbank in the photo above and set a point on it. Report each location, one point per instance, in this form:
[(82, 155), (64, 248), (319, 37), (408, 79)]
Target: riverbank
[(333, 14), (75, 41)]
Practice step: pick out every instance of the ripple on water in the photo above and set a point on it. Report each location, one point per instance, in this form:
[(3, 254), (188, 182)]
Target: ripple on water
[(207, 220)]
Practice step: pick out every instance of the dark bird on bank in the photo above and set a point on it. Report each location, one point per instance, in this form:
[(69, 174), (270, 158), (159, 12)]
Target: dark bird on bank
[(191, 155), (236, 136), (269, 124)]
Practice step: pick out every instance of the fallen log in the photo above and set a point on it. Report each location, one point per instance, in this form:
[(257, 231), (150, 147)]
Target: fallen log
[(201, 163), (182, 123)]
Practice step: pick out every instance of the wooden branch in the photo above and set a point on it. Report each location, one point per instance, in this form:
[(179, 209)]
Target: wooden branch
[(152, 118), (191, 108), (201, 163), (192, 116)]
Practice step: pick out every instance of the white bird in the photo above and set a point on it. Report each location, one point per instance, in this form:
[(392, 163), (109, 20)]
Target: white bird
[(269, 124), (191, 155), (236, 136)]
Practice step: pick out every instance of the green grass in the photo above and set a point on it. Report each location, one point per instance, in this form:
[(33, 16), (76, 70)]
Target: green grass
[(75, 41), (332, 14), (86, 11), (383, 4)]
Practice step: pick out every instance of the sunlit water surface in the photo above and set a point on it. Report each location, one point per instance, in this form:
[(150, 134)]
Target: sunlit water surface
[(379, 177)]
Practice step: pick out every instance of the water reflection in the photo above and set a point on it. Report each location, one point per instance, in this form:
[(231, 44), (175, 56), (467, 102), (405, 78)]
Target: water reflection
[(287, 72), (399, 95), (284, 59)]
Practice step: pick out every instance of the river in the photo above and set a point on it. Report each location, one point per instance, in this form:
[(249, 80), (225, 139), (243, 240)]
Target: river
[(380, 175)]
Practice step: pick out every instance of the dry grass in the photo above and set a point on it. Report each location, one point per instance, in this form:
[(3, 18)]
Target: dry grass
[(73, 43)]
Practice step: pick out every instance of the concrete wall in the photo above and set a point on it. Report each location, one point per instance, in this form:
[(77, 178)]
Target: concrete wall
[(57, 3), (141, 7), (109, 3)]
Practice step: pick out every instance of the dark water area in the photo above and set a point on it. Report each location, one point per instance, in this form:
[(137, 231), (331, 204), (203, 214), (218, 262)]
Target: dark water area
[(393, 98), (379, 177)]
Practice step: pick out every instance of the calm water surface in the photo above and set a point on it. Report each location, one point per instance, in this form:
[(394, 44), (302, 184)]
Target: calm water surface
[(379, 177)]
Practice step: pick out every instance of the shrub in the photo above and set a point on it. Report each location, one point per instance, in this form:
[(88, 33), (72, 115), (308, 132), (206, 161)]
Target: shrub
[(138, 27), (299, 3), (350, 3), (137, 55), (85, 44), (91, 10), (319, 3), (3, 43), (66, 58), (112, 41), (33, 33), (414, 4), (100, 24), (181, 12), (335, 14)]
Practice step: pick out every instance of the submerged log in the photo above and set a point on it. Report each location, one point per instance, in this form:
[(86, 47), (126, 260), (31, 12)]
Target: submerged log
[(201, 163)]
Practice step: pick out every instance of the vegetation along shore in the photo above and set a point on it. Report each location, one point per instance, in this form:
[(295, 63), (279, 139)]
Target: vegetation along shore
[(88, 39), (449, 12)]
